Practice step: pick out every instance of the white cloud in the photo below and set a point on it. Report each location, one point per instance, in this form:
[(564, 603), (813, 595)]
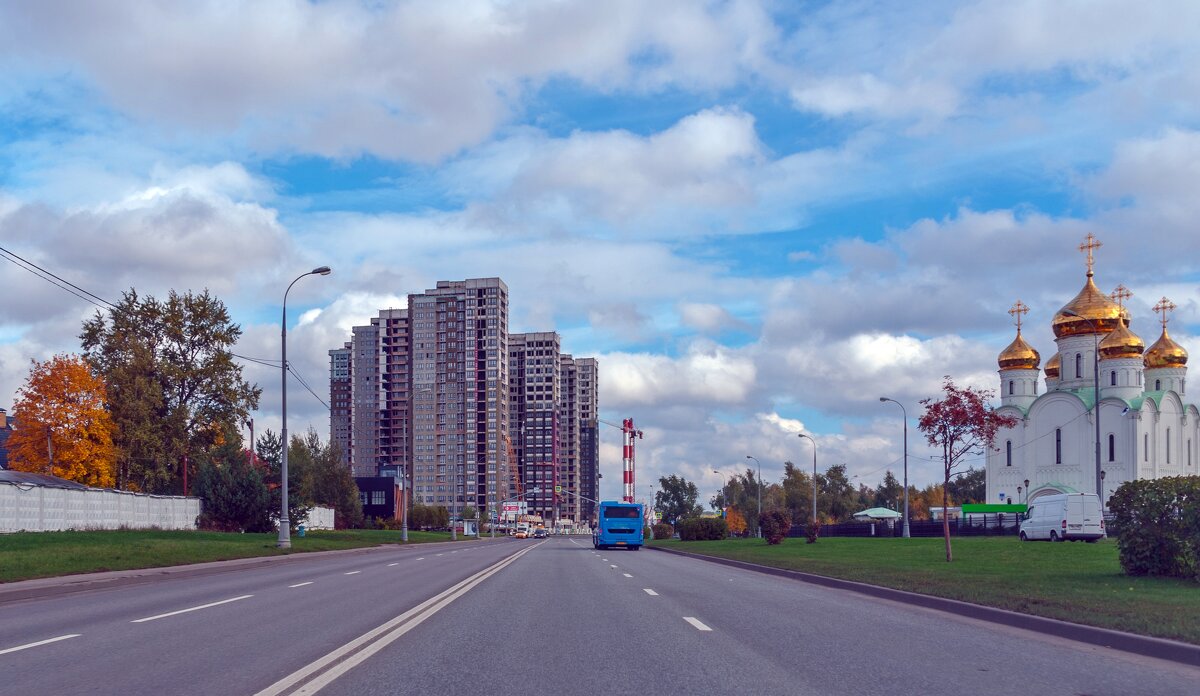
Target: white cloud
[(706, 374)]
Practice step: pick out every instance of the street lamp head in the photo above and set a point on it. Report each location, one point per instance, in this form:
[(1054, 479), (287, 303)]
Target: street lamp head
[(321, 270), (883, 398)]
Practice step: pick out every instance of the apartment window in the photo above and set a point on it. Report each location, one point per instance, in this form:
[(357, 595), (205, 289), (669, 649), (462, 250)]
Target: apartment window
[(1008, 452), (1112, 447), (1058, 445), (377, 498)]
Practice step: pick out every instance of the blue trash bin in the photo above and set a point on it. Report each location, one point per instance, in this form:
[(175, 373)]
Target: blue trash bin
[(300, 530)]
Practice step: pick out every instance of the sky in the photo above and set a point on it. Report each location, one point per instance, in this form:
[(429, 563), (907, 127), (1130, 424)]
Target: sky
[(759, 217)]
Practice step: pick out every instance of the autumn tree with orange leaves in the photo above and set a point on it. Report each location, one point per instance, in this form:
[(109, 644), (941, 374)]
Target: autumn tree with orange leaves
[(63, 427), (963, 423)]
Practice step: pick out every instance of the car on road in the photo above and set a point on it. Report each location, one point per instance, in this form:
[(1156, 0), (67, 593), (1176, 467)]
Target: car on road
[(539, 533)]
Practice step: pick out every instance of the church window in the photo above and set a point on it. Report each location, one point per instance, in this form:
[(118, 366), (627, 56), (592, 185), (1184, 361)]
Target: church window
[(1189, 459), (1168, 445), (1112, 447), (1078, 366), (1139, 379), (1158, 385), (1035, 387), (1058, 445), (1010, 387), (1112, 378), (1146, 447), (1008, 452)]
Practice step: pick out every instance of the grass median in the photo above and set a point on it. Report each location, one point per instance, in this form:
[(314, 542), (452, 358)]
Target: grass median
[(1075, 582), (28, 555)]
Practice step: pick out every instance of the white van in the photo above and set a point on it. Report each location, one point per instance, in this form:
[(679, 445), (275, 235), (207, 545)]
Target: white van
[(1065, 516)]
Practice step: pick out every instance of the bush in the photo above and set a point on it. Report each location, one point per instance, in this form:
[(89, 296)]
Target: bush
[(775, 525), (812, 530), (1159, 526), (662, 530), (702, 529)]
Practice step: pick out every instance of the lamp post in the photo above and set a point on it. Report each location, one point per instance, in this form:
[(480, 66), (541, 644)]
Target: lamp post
[(1096, 394), (814, 500), (1026, 491), (724, 497), (759, 493), (285, 532), (905, 412)]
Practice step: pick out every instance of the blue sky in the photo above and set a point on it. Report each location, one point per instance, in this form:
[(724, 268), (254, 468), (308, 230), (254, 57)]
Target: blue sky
[(759, 216)]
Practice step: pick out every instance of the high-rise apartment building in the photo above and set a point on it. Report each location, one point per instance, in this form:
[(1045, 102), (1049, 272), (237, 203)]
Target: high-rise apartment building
[(440, 390), (533, 364), (587, 378), (341, 392)]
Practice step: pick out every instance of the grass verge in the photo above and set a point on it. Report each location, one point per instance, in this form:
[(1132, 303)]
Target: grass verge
[(1077, 582), (28, 555)]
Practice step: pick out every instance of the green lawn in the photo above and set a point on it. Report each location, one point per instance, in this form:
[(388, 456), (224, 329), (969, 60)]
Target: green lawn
[(1075, 582), (26, 555)]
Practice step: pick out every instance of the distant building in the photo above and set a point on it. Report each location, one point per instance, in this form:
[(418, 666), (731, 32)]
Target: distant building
[(380, 496), (430, 389), (6, 428)]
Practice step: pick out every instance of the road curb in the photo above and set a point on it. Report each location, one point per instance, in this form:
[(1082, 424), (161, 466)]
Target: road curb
[(86, 582), (1161, 648)]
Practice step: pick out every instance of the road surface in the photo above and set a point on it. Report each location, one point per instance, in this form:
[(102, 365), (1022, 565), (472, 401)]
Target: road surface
[(531, 617)]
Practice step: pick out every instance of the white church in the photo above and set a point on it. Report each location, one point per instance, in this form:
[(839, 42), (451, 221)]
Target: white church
[(1147, 428)]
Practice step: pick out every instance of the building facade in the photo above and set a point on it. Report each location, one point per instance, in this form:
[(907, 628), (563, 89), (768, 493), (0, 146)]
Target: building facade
[(442, 391), (1147, 429)]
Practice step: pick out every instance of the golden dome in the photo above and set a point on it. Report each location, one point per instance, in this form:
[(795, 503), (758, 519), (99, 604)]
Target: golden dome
[(1121, 343), (1165, 353), (1089, 304), (1019, 355), (1054, 366)]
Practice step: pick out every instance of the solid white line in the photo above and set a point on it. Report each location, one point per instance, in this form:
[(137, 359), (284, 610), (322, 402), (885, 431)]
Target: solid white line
[(697, 623), (302, 584), (353, 572), (350, 655), (40, 642), (392, 564), (649, 591), (627, 575), (184, 611)]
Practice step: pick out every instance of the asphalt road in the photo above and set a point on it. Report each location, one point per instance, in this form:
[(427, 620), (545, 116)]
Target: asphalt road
[(517, 617)]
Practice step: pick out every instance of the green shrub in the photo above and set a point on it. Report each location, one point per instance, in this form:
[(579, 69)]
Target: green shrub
[(1159, 526), (775, 525), (662, 530), (702, 529), (812, 530)]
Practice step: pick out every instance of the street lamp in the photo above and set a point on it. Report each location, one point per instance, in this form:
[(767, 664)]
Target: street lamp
[(759, 494), (1096, 394), (285, 532), (1027, 491), (814, 502), (905, 412), (724, 496)]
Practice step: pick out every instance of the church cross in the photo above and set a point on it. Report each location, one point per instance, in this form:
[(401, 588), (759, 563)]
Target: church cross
[(1120, 294), (1089, 245), (1164, 305), (1017, 310)]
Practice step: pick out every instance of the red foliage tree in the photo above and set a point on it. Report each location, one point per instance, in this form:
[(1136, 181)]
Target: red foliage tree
[(962, 423)]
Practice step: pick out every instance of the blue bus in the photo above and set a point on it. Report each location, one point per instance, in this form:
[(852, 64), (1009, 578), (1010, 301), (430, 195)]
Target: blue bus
[(620, 524)]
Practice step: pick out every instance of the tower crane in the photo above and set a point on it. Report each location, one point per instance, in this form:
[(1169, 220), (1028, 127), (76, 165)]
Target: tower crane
[(630, 435)]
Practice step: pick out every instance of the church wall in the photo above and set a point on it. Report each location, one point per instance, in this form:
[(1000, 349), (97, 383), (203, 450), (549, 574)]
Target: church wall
[(1128, 377), (1064, 412), (1002, 478), (1069, 347)]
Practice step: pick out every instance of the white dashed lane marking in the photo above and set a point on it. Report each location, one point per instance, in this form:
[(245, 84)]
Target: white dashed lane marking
[(301, 584), (649, 591), (699, 625), (612, 565), (627, 575), (392, 564), (184, 611), (40, 642), (353, 572)]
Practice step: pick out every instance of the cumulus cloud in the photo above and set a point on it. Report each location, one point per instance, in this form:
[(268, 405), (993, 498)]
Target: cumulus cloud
[(706, 374)]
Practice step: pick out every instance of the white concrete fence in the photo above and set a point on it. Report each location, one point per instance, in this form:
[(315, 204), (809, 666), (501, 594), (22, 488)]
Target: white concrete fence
[(43, 509), (319, 518)]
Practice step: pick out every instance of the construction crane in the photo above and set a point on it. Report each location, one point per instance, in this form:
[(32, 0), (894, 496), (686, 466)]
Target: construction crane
[(513, 468), (630, 435)]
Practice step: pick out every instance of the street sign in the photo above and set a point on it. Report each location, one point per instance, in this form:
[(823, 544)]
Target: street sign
[(558, 489)]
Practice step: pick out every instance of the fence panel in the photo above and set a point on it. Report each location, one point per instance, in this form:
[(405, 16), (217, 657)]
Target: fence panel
[(45, 509)]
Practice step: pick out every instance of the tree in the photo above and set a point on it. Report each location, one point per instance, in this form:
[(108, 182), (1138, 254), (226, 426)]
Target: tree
[(736, 522), (235, 497), (172, 383), (889, 493), (962, 423), (836, 497), (677, 498), (797, 488), (64, 429), (970, 486)]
